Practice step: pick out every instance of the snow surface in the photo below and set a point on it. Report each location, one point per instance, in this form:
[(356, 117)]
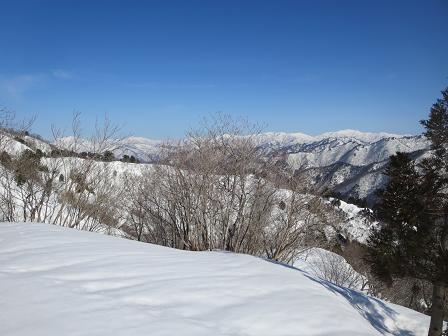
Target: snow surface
[(11, 145), (14, 147), (59, 281)]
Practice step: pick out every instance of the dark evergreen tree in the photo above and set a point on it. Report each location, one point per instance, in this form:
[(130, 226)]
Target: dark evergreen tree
[(435, 184), (412, 240), (400, 209)]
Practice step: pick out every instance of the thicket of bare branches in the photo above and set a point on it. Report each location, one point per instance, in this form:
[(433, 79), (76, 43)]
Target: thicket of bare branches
[(218, 191), (66, 191)]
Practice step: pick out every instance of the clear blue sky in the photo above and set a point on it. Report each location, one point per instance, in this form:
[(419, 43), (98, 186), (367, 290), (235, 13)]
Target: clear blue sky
[(159, 66)]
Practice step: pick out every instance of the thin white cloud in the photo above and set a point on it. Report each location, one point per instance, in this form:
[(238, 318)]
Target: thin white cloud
[(62, 74), (15, 86)]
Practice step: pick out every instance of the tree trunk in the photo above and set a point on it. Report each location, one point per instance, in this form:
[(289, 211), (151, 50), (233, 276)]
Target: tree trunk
[(438, 300)]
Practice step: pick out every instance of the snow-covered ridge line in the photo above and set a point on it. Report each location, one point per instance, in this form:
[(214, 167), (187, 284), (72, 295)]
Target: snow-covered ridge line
[(279, 137), (59, 281), (301, 138), (141, 147)]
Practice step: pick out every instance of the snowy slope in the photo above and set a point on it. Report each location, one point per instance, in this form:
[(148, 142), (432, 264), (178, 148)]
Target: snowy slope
[(358, 226), (352, 151), (143, 149), (350, 166), (13, 146), (58, 281), (348, 161)]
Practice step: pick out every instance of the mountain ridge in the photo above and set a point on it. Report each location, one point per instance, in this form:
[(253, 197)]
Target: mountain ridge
[(348, 162)]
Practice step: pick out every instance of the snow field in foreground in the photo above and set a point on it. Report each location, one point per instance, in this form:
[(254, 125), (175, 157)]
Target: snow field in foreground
[(59, 281)]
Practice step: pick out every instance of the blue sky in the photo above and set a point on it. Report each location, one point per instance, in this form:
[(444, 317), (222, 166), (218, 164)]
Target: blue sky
[(158, 67)]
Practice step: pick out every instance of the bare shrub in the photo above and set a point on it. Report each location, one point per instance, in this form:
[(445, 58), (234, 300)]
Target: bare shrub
[(334, 268)]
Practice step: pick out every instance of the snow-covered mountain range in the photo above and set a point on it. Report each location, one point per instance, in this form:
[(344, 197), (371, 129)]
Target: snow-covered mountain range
[(348, 162)]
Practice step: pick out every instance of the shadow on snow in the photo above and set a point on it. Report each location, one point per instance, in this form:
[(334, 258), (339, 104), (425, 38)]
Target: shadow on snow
[(375, 311)]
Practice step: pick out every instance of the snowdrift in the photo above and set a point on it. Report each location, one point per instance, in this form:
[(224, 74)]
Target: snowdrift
[(58, 281)]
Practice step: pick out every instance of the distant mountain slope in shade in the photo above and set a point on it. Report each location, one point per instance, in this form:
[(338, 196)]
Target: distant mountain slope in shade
[(59, 281)]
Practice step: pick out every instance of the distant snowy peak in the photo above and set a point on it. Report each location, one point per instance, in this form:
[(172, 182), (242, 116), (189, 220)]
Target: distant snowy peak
[(143, 149), (282, 138), (362, 136)]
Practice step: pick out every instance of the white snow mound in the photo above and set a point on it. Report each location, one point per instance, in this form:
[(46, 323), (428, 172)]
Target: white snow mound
[(59, 281)]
